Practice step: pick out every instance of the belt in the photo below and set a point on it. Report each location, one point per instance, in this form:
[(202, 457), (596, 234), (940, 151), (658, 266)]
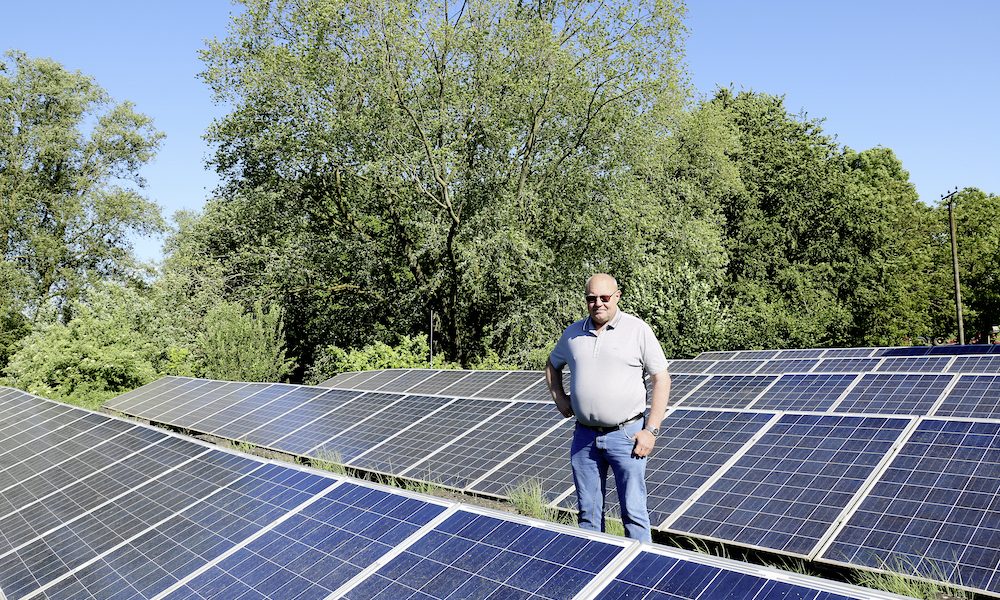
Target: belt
[(609, 428)]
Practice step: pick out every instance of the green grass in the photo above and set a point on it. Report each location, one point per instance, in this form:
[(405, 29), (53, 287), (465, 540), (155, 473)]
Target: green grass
[(901, 578), (528, 500), (329, 461)]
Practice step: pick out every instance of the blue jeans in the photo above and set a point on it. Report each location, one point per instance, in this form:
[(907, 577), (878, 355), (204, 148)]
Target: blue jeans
[(591, 455)]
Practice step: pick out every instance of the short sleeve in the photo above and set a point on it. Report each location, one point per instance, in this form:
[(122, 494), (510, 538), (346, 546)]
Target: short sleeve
[(560, 354), (653, 359)]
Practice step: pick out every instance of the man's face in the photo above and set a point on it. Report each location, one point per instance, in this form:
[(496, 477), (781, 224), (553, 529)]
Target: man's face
[(602, 297)]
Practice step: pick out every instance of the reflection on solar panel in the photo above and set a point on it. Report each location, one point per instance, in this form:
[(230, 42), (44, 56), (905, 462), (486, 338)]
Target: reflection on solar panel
[(680, 385), (756, 354), (207, 421), (545, 462), (482, 449), (975, 364), (716, 355), (261, 416), (339, 379), (848, 352), (846, 365), (915, 364), (180, 408), (728, 391), (472, 382), (426, 435), (318, 431), (894, 394), (935, 510), (538, 392), (815, 392), (736, 367), (807, 353), (510, 386), (787, 365), (300, 417), (790, 487), (689, 366), (380, 379), (127, 399), (407, 380), (973, 396), (473, 555)]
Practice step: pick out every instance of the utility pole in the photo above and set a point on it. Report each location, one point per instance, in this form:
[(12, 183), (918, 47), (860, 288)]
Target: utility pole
[(950, 198), (430, 344)]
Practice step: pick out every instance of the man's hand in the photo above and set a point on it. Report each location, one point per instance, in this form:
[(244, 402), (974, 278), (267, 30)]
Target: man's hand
[(553, 377), (563, 403), (644, 442)]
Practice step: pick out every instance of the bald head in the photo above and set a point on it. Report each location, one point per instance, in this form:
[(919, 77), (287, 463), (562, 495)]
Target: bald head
[(602, 298)]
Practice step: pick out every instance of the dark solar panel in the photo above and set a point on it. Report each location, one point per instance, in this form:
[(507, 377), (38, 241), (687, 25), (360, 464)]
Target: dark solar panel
[(185, 410), (379, 380), (544, 462), (804, 353), (934, 511), (261, 416), (809, 392), (959, 349), (848, 352), (407, 380), (437, 382), (787, 365), (427, 435), (339, 380), (482, 449), (975, 396), (220, 417), (903, 351), (681, 385), (897, 394), (791, 486), (473, 555), (473, 382), (177, 388), (300, 417), (140, 393), (846, 365), (915, 364), (975, 364), (716, 355), (539, 392), (735, 367), (511, 385), (756, 354), (728, 391), (360, 381)]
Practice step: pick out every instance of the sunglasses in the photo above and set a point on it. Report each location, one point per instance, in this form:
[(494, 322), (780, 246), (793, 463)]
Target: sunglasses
[(591, 298)]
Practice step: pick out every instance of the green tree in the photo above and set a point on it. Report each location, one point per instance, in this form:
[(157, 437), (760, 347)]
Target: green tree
[(977, 223), (478, 159), (70, 188), (243, 346)]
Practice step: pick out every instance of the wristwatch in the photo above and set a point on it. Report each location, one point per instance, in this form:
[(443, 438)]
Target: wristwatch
[(654, 430)]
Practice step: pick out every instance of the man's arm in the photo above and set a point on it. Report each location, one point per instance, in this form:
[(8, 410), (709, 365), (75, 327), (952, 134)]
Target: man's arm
[(645, 440), (553, 377)]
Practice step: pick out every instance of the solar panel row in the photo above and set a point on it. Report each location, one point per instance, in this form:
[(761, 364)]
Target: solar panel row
[(944, 350), (884, 364), (108, 509)]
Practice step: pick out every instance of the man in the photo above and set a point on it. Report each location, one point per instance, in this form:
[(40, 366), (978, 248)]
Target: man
[(607, 354)]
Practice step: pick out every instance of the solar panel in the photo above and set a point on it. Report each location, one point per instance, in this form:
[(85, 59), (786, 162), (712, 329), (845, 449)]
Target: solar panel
[(511, 385), (803, 353), (482, 449), (689, 366), (544, 462), (144, 391), (407, 380), (306, 413), (736, 367), (154, 395), (728, 391), (790, 487), (808, 392), (898, 394), (902, 351), (186, 409), (787, 365), (953, 349), (437, 382), (975, 364), (215, 418), (427, 435), (756, 354), (538, 392), (846, 365), (848, 352), (934, 511), (472, 555), (915, 364), (681, 385), (366, 433), (339, 379), (194, 388), (472, 383), (261, 416), (341, 417), (380, 379), (716, 355), (973, 396)]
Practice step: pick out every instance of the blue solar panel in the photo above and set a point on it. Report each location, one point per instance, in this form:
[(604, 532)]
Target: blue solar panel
[(735, 367), (846, 365), (815, 392), (473, 555), (915, 364), (187, 408), (407, 380), (848, 352), (959, 349), (975, 364), (791, 486), (894, 394), (787, 365), (510, 385), (235, 410), (341, 417), (137, 395), (269, 435), (689, 366), (728, 391), (756, 354), (973, 396), (904, 351), (716, 355), (934, 511), (805, 353), (545, 462)]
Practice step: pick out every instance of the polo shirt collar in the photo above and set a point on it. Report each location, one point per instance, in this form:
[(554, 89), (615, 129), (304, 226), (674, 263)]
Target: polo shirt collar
[(588, 323)]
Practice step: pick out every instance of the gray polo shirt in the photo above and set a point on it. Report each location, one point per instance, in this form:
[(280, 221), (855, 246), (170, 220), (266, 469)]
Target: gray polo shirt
[(606, 370)]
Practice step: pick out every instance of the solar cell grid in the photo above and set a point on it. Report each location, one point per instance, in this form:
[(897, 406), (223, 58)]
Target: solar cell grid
[(482, 449), (902, 351), (716, 355), (545, 462), (210, 418), (260, 416), (187, 410), (182, 389), (138, 393), (316, 432), (846, 365), (427, 435), (815, 392), (437, 382), (975, 364), (689, 366), (183, 403), (728, 391), (380, 379), (511, 385), (736, 367), (300, 416), (934, 510), (407, 380), (848, 352), (973, 396), (681, 384), (756, 354), (899, 394), (537, 392), (959, 349), (473, 382), (360, 380), (799, 353), (789, 365), (472, 555), (915, 364), (338, 380), (367, 433), (791, 486)]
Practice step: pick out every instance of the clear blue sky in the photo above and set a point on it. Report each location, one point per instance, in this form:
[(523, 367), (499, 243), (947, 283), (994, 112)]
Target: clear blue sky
[(920, 77)]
